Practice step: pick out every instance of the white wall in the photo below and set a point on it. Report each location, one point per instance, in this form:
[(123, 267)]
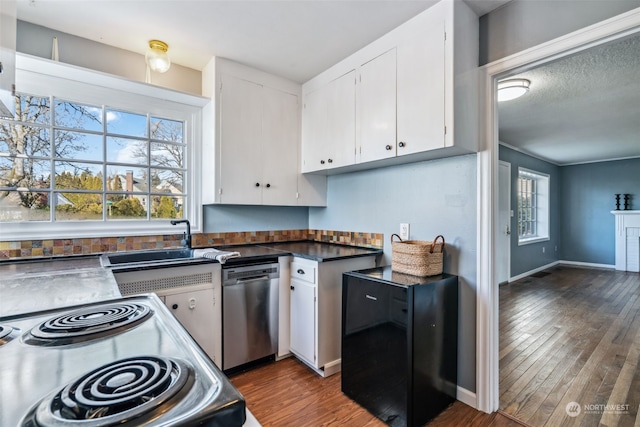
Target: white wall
[(434, 197)]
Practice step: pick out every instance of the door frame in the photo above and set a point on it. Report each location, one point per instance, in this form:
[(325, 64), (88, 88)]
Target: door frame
[(502, 192), (487, 369)]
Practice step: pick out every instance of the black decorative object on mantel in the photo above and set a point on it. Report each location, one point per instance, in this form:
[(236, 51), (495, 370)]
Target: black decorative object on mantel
[(617, 202), (627, 202)]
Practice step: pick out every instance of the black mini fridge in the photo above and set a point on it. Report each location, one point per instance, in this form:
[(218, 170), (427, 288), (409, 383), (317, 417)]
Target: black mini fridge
[(400, 344)]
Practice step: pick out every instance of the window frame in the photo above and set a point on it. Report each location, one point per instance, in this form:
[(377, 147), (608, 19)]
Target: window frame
[(41, 77), (541, 206)]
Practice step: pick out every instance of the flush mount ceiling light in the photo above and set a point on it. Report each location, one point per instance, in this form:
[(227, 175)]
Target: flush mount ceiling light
[(156, 57), (512, 89)]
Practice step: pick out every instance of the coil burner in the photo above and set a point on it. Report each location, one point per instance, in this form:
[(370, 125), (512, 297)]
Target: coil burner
[(134, 389), (7, 333), (88, 324)]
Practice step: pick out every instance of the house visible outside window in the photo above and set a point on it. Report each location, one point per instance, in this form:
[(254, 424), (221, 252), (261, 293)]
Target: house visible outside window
[(533, 206), (96, 150), (66, 161)]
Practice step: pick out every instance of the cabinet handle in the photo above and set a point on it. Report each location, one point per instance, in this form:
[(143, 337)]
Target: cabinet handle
[(372, 298), (322, 162), (174, 306), (330, 160), (388, 147), (268, 185), (257, 184), (292, 288), (300, 271), (401, 144)]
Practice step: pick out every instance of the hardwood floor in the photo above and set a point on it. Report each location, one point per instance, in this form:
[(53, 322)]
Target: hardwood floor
[(572, 335), (287, 393)]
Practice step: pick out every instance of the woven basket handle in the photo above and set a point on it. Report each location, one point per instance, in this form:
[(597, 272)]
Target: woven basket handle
[(399, 238), (433, 244)]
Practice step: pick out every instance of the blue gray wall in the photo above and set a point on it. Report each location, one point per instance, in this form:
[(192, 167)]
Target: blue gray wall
[(521, 24), (531, 256), (225, 218), (434, 197), (588, 197), (582, 198)]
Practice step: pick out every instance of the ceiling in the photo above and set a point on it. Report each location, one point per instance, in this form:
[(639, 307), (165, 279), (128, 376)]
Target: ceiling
[(579, 109), (296, 39)]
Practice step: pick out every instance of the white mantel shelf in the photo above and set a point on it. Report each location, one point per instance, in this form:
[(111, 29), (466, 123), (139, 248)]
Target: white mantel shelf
[(627, 240)]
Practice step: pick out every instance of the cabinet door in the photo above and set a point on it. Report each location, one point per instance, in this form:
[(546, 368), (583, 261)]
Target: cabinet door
[(190, 308), (279, 147), (303, 320), (341, 113), (7, 56), (421, 88), (315, 130), (376, 104), (240, 141)]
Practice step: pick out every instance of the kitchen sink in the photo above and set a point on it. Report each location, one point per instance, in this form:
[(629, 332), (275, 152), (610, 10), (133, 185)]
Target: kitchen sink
[(145, 257)]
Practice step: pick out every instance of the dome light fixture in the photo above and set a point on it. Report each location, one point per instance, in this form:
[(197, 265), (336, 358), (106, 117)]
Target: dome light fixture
[(512, 89), (156, 57)]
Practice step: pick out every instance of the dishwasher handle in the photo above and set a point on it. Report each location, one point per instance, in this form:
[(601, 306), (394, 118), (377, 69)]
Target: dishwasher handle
[(247, 280)]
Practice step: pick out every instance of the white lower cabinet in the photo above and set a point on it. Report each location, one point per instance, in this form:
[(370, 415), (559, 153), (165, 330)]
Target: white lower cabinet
[(192, 293), (303, 310), (316, 310)]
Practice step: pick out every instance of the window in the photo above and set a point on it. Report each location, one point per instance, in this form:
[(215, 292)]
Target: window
[(81, 152), (533, 206), (65, 161)]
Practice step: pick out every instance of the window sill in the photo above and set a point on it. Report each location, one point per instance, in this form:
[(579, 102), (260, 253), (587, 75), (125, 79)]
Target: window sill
[(528, 241)]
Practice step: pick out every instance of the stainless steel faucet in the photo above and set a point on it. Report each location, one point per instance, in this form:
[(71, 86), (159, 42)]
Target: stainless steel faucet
[(186, 237)]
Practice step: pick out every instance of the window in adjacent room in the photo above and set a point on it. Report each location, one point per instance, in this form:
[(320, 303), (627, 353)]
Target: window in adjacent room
[(533, 206)]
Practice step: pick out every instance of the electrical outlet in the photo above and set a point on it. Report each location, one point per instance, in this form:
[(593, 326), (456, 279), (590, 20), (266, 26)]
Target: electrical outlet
[(404, 231)]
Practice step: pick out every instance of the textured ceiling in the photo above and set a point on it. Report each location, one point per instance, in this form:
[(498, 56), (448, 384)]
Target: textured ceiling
[(296, 39), (581, 108)]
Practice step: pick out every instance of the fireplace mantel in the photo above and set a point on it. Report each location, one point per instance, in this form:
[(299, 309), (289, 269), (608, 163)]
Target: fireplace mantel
[(627, 240)]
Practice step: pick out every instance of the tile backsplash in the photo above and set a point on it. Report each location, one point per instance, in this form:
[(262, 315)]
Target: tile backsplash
[(87, 246)]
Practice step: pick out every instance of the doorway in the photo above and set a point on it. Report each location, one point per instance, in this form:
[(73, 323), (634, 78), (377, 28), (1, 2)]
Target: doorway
[(487, 392)]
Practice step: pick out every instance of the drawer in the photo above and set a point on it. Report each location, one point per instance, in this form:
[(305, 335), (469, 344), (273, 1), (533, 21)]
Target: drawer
[(304, 272)]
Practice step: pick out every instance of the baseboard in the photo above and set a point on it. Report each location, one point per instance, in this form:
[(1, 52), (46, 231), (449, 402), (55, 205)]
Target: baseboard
[(587, 264), (534, 271), (561, 262), (467, 397)]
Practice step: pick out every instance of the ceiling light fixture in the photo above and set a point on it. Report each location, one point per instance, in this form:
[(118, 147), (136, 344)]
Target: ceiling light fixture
[(156, 57), (512, 89)]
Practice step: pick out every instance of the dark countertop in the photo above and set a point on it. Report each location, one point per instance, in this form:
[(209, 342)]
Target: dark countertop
[(323, 252), (387, 275)]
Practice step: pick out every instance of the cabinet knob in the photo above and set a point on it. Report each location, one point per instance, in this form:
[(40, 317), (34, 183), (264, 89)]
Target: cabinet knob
[(257, 184), (322, 162), (292, 288), (300, 271), (388, 147), (174, 306), (268, 185), (330, 160), (402, 144)]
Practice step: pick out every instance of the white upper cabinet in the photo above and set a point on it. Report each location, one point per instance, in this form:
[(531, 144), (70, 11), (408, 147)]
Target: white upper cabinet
[(421, 86), (416, 93), (251, 141), (376, 103), (7, 57), (330, 118)]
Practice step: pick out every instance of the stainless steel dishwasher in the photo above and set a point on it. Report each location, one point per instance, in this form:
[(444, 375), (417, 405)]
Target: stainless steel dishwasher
[(249, 312)]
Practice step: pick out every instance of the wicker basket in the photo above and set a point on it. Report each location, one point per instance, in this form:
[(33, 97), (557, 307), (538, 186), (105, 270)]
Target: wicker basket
[(417, 257)]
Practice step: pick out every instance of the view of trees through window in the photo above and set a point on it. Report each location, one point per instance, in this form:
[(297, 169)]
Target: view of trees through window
[(65, 161)]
